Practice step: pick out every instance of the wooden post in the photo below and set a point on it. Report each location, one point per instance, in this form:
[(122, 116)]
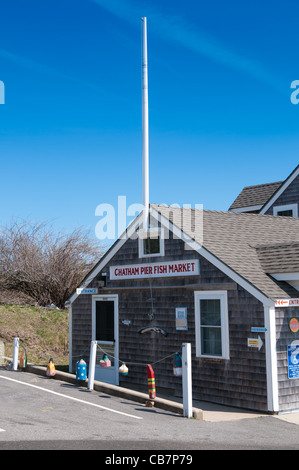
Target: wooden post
[(187, 380)]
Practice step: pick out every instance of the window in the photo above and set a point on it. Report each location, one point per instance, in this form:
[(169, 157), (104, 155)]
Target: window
[(151, 243), (289, 210), (211, 320), (151, 246)]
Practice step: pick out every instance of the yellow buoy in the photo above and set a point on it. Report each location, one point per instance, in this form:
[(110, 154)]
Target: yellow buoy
[(50, 372)]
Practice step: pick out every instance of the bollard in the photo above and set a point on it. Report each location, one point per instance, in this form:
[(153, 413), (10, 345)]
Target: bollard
[(92, 364), (15, 354), (187, 380)]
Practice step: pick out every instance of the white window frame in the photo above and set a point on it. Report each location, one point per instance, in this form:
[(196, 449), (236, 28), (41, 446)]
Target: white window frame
[(212, 295), (286, 207), (152, 232)]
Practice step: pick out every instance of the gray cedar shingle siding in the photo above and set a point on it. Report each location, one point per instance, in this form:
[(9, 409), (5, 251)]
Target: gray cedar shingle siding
[(288, 388), (237, 381)]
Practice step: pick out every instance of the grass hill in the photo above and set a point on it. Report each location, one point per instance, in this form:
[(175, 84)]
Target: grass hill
[(43, 332)]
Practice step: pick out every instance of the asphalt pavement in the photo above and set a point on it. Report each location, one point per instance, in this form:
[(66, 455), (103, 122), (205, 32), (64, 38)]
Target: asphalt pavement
[(37, 412)]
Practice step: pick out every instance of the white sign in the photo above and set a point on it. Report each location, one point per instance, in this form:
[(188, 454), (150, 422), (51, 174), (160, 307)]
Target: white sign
[(255, 342), (181, 318), (82, 290), (287, 303), (188, 267)]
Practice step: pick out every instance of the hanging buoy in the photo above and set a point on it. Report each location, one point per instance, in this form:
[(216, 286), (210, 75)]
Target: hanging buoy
[(177, 365), (23, 358), (105, 362), (123, 370), (81, 370), (50, 372), (151, 382)]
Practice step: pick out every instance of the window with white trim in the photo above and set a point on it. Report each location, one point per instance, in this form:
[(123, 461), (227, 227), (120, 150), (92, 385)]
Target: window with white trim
[(151, 243), (211, 324), (288, 210)]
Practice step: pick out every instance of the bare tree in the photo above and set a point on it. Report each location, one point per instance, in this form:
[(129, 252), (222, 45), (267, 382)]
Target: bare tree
[(43, 264)]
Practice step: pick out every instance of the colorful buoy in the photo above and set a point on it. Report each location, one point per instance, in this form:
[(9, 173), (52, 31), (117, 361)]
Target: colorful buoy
[(81, 370), (105, 361), (151, 382), (177, 365), (123, 370), (23, 358), (50, 372)]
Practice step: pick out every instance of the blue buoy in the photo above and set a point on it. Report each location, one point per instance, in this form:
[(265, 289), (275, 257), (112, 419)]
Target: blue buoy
[(81, 370)]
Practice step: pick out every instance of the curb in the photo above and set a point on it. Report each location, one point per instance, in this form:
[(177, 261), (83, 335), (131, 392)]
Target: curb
[(117, 391)]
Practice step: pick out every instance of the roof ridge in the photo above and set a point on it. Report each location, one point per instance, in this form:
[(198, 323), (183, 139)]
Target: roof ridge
[(263, 184)]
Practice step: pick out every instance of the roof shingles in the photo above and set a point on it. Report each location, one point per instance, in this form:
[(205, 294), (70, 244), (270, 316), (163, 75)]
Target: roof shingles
[(258, 195), (234, 238)]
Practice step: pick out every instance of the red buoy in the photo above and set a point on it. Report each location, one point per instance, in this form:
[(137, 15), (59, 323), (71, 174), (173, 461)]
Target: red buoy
[(151, 382)]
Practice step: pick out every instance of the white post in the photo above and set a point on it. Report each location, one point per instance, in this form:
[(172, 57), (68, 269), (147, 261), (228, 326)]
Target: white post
[(92, 364), (70, 340), (145, 138), (2, 352), (187, 380), (15, 354)]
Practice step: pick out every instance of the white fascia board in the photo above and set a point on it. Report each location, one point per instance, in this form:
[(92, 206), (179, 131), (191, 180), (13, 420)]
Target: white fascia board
[(282, 188), (247, 208), (128, 233), (266, 301), (290, 278), (285, 276)]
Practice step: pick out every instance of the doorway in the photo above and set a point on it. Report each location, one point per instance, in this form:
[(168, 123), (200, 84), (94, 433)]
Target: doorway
[(105, 333)]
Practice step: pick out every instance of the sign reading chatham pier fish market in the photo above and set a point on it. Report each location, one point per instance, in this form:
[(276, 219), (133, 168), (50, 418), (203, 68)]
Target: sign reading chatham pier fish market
[(164, 269)]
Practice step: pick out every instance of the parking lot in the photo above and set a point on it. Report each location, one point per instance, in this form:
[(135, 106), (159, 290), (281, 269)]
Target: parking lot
[(43, 413)]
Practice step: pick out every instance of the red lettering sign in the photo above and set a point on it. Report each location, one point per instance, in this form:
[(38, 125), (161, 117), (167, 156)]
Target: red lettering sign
[(167, 268)]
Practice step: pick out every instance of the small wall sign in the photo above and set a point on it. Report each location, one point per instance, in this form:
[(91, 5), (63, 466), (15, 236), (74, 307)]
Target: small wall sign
[(293, 361), (294, 325), (287, 303), (84, 290), (181, 318)]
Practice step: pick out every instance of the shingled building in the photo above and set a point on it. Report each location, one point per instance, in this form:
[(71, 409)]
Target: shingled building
[(225, 282)]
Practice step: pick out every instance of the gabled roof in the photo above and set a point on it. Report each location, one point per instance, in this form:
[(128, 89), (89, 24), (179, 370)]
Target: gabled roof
[(231, 241), (259, 198), (255, 196), (280, 190)]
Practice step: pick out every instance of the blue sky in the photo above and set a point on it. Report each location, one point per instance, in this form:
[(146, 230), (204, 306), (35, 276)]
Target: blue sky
[(220, 115)]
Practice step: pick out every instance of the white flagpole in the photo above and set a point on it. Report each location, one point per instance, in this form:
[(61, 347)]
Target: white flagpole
[(145, 138)]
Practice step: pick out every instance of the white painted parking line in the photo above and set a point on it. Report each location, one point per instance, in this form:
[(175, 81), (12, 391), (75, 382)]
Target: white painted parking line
[(2, 430), (71, 398)]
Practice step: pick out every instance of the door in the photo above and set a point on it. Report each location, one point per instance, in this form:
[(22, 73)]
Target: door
[(105, 333)]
